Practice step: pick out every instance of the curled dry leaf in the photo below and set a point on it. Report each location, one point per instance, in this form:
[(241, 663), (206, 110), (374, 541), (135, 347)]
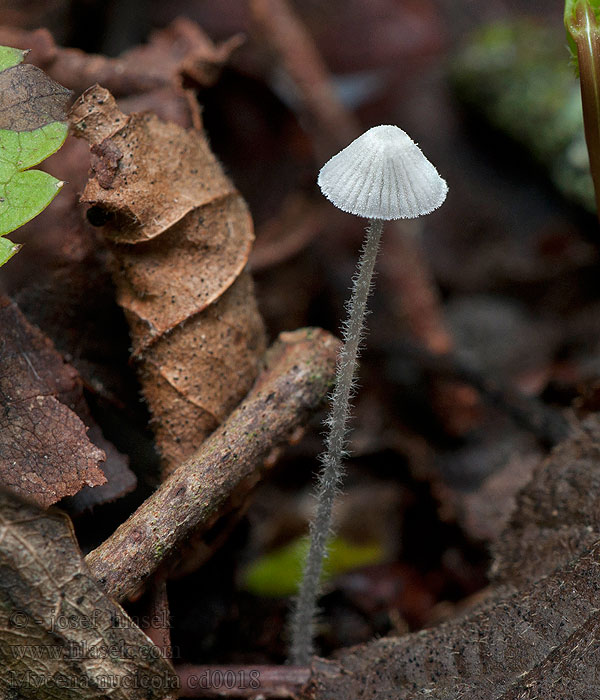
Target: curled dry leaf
[(60, 635), (557, 514), (71, 297), (181, 235), (537, 635), (180, 51), (539, 643), (45, 452)]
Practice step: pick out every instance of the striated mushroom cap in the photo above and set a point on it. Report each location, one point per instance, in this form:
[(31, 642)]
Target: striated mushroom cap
[(383, 175)]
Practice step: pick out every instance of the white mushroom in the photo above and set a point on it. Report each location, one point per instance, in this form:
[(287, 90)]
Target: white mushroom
[(381, 175)]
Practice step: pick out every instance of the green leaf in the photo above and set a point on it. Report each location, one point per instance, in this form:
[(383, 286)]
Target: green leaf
[(33, 126), (10, 57), (7, 249), (278, 572)]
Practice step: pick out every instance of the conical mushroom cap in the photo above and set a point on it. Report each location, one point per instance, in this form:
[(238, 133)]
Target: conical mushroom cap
[(383, 175)]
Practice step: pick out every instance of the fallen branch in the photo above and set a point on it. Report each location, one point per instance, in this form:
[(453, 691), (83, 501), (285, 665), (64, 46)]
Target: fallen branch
[(242, 681), (300, 369), (329, 122)]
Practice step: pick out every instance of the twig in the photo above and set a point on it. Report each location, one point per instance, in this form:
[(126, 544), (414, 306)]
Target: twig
[(238, 681), (299, 220), (329, 122), (300, 370), (334, 126), (546, 423), (415, 301), (159, 627), (413, 296)]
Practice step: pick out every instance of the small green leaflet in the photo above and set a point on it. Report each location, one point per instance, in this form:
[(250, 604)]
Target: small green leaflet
[(278, 573), (33, 126)]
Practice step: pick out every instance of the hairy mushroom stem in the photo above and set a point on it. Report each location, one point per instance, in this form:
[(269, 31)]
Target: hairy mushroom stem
[(381, 176), (330, 478)]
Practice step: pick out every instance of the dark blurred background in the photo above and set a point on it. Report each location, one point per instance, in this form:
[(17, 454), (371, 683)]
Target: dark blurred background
[(484, 335)]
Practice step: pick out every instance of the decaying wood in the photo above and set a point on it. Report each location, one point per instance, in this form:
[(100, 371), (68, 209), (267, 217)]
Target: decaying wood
[(300, 369), (235, 681), (159, 613)]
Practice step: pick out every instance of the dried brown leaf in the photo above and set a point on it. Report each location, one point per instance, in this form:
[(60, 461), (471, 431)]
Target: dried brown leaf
[(477, 485), (180, 51), (60, 635), (537, 637), (184, 51), (120, 480), (44, 450), (55, 307), (193, 377), (538, 643), (30, 99), (181, 236), (557, 512)]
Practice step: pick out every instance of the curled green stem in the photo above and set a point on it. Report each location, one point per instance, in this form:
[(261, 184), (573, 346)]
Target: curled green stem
[(583, 28)]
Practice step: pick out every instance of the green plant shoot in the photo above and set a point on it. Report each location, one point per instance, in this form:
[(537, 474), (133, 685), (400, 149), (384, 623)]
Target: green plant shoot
[(33, 125), (582, 21)]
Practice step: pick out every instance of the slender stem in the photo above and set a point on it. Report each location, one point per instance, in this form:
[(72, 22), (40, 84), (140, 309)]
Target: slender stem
[(582, 25), (303, 619)]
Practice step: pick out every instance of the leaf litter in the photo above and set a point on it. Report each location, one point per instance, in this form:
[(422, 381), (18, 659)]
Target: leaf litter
[(45, 453), (554, 543), (60, 635), (181, 51), (535, 636), (180, 235)]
